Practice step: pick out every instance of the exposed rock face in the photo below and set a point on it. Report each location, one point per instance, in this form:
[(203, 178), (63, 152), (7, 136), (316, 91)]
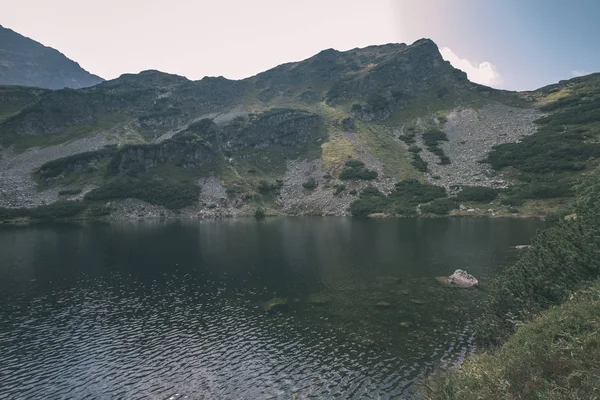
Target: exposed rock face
[(28, 63), (286, 127), (188, 149)]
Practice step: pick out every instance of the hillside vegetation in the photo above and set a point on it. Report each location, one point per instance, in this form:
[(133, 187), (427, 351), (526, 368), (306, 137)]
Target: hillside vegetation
[(540, 329)]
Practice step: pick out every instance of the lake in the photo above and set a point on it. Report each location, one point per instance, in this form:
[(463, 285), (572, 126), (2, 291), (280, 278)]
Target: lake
[(180, 310)]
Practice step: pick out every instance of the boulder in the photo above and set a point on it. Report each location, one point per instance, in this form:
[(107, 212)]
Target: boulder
[(570, 217), (463, 279), (459, 279), (523, 246)]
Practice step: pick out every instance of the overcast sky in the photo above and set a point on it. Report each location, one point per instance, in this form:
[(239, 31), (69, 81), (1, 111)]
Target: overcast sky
[(512, 44)]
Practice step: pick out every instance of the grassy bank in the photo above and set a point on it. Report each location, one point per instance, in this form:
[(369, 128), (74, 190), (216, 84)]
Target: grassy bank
[(556, 356), (540, 330)]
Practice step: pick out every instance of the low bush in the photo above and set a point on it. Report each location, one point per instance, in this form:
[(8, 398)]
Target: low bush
[(265, 187), (415, 192), (356, 171), (439, 206), (310, 184), (170, 194), (432, 137), (419, 163), (338, 189), (354, 164), (259, 214), (480, 194), (58, 210), (402, 201)]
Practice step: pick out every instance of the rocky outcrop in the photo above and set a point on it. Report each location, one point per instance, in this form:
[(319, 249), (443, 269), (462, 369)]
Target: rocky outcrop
[(188, 149), (286, 127)]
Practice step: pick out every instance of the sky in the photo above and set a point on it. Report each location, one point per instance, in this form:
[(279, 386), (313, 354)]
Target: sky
[(508, 44)]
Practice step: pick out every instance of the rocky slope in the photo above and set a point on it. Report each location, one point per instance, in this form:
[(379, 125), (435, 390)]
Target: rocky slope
[(302, 138), (26, 62)]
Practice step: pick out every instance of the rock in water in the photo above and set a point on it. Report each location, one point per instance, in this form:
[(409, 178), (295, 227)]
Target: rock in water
[(462, 279), (382, 304), (277, 304)]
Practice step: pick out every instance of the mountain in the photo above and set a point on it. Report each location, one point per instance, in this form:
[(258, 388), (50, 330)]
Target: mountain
[(391, 129), (25, 62)]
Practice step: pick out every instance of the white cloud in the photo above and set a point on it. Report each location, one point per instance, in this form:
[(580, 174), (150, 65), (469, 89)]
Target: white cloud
[(577, 73), (484, 73)]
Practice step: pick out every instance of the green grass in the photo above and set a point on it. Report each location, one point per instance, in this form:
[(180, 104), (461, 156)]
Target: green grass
[(381, 143), (555, 357)]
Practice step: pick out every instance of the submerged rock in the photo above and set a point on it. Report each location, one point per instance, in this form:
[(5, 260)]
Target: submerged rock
[(382, 305), (318, 299), (459, 279), (276, 304)]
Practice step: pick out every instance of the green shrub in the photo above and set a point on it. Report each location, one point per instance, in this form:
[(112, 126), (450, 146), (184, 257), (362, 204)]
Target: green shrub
[(402, 201), (354, 164), (259, 214), (58, 210), (170, 194), (355, 171), (415, 192), (310, 184), (477, 193), (265, 187), (432, 137), (439, 206), (339, 188), (369, 205), (414, 149), (370, 191), (419, 163)]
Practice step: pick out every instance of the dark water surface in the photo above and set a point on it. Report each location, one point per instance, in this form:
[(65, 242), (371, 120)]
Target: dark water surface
[(175, 310)]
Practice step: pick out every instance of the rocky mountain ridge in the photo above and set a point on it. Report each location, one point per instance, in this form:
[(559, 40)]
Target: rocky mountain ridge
[(311, 137)]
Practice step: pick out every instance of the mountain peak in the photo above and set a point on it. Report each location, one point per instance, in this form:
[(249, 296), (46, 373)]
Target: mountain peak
[(25, 62)]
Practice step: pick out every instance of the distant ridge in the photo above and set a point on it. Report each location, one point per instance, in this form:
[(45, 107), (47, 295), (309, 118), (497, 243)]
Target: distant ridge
[(25, 62)]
